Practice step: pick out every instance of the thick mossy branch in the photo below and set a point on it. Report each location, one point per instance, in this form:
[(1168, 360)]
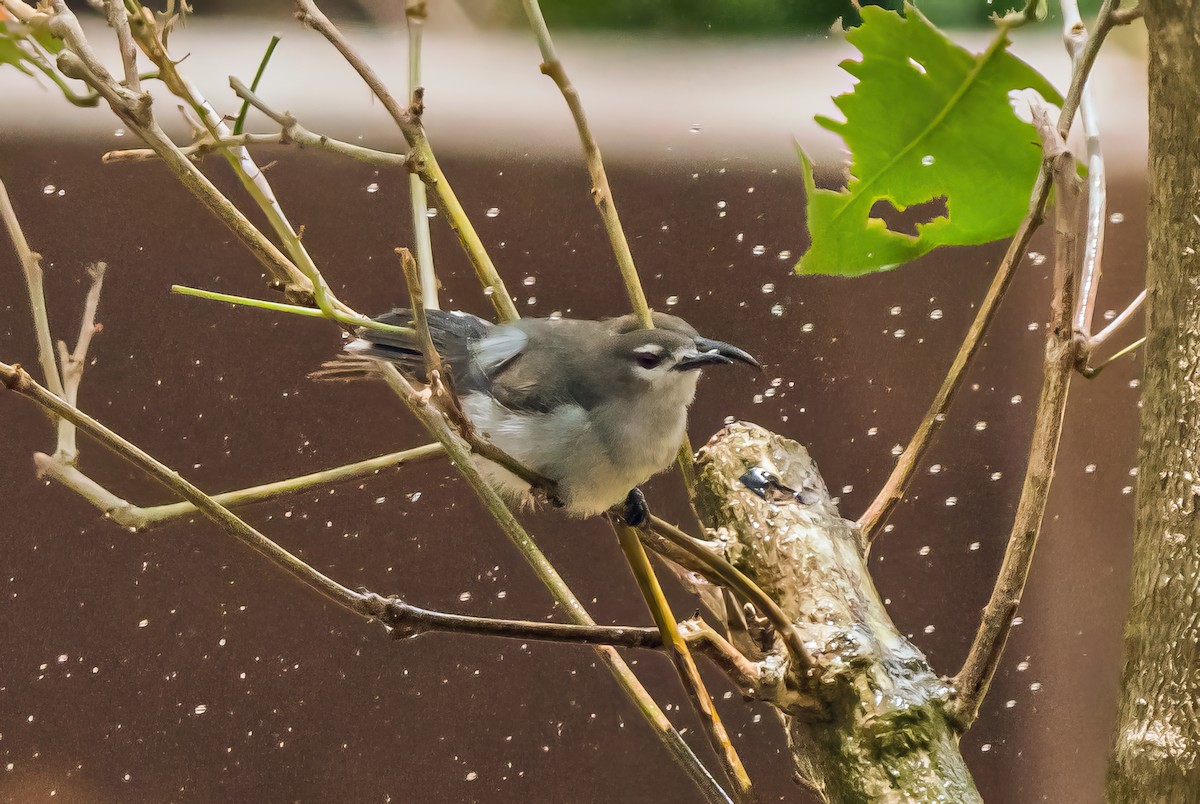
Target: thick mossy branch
[(881, 733)]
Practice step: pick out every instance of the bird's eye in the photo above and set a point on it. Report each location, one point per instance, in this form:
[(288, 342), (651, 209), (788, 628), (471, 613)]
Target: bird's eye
[(647, 360)]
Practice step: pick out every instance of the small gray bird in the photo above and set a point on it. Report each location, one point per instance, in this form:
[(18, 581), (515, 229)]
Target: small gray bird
[(598, 407)]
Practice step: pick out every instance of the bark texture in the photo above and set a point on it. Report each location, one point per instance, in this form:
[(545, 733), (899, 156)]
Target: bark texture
[(867, 723), (1156, 754)]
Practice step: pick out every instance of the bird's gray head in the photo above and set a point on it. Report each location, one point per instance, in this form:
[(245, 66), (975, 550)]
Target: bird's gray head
[(665, 357)]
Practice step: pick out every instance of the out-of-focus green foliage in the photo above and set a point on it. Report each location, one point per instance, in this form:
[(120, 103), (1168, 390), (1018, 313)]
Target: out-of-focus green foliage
[(926, 120), (761, 17)]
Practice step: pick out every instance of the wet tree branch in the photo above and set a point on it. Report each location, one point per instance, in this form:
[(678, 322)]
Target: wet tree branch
[(971, 682)]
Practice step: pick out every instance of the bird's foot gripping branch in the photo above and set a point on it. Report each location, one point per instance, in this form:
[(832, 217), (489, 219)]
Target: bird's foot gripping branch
[(879, 731)]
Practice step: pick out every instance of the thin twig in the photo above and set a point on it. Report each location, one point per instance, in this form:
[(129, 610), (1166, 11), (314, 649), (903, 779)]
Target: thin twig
[(140, 518), (72, 363), (906, 466), (294, 133), (1090, 371), (603, 197), (1075, 36), (685, 665), (17, 379), (971, 682), (721, 571), (441, 384), (457, 451), (1118, 322), (118, 20), (239, 123), (148, 35), (79, 61), (415, 12), (31, 265), (421, 159)]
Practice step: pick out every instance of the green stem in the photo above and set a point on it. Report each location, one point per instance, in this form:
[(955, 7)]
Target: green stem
[(261, 304), (240, 123)]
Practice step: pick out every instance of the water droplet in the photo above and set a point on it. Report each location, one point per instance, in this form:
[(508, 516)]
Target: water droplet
[(1090, 468), (1016, 400), (924, 551), (119, 132), (759, 250), (897, 449), (672, 301), (532, 300), (431, 212), (927, 160), (872, 431), (143, 623), (1022, 666), (1109, 315), (929, 629), (807, 328), (1009, 704), (464, 597), (847, 489), (492, 212), (1037, 258), (973, 546), (694, 128), (529, 281), (200, 709), (758, 399), (935, 315), (721, 205), (985, 747), (895, 310), (935, 469), (951, 501), (372, 187), (1035, 686), (997, 475), (1116, 217), (768, 287), (900, 333), (785, 255), (777, 310), (981, 426), (49, 189)]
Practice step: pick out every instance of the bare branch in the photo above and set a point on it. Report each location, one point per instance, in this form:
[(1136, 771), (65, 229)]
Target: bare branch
[(415, 13), (971, 682), (73, 363), (1075, 36), (118, 20), (31, 265), (421, 159)]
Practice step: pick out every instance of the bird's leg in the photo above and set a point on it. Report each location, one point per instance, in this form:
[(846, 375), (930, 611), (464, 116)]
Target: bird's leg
[(635, 511)]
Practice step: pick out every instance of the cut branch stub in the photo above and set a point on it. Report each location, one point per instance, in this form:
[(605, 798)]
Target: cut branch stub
[(885, 736)]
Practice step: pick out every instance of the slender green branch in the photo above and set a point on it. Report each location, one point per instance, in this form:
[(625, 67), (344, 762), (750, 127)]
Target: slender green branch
[(148, 36), (16, 379), (685, 665), (460, 456), (292, 309), (240, 123), (142, 518), (721, 571), (1092, 371)]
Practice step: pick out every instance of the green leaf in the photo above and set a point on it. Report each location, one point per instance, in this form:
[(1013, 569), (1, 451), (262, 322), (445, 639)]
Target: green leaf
[(926, 120), (10, 51)]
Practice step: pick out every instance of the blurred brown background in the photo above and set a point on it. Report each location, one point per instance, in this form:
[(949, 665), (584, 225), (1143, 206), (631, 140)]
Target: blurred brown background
[(176, 665)]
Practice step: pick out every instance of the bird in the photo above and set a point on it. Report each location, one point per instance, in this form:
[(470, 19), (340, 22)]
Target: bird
[(596, 407)]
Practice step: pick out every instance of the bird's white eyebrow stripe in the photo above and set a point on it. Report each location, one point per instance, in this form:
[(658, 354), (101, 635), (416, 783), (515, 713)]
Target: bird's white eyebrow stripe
[(649, 349)]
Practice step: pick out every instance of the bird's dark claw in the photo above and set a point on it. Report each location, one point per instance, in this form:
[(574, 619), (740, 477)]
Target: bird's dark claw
[(635, 512)]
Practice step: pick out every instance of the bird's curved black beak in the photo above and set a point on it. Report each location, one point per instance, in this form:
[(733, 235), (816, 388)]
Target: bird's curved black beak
[(716, 353)]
